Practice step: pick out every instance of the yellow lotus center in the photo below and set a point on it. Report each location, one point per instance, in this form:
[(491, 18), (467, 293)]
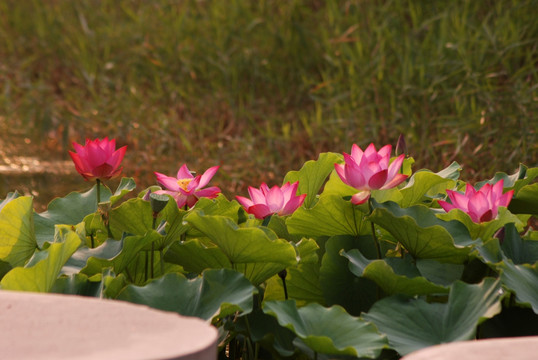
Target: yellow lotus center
[(184, 183)]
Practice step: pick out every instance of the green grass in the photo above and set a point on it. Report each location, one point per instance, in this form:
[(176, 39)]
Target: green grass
[(262, 86)]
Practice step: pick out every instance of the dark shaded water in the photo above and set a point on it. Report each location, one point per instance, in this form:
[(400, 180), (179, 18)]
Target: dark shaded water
[(42, 179)]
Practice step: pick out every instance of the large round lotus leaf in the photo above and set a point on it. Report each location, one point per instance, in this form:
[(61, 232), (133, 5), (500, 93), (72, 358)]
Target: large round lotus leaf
[(422, 234), (332, 215), (340, 286), (523, 280), (412, 324), (132, 217), (526, 200), (42, 270), (312, 176), (302, 284), (513, 247), (424, 183), (71, 210), (17, 237), (393, 275), (216, 294), (125, 186), (302, 280), (328, 330), (113, 253), (253, 251), (197, 256)]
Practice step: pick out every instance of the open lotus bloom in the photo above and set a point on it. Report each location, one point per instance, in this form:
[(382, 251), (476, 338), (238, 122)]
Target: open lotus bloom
[(98, 159), (481, 205), (370, 170), (276, 200), (186, 189)]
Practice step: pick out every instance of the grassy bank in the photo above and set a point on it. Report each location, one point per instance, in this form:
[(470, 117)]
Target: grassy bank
[(262, 86)]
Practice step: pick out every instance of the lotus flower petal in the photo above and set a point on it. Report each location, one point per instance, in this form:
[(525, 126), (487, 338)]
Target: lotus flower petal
[(98, 159), (208, 175), (360, 197), (481, 205), (186, 188), (167, 181), (276, 200), (370, 170)]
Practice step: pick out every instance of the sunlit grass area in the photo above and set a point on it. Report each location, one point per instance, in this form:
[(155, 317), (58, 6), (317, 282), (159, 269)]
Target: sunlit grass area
[(259, 87)]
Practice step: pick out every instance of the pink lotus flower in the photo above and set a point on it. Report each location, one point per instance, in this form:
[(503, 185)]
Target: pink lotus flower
[(187, 189), (98, 159), (482, 205), (265, 201), (370, 170)]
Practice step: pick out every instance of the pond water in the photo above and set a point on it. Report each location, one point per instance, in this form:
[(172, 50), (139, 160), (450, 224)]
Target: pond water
[(42, 179)]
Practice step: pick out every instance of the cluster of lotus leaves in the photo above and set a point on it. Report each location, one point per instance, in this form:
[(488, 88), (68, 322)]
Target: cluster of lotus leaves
[(440, 275)]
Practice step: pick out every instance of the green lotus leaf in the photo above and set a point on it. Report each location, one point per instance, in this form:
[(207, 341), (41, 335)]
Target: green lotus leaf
[(422, 234), (108, 250), (125, 186), (526, 200), (133, 217), (519, 250), (335, 186), (451, 172), (423, 183), (307, 251), (17, 237), (513, 247), (5, 267), (243, 245), (278, 225), (340, 286), (328, 330), (312, 176), (76, 284), (117, 256), (302, 283), (42, 270), (393, 275), (302, 280), (265, 330), (196, 256), (412, 324), (10, 196), (174, 225), (522, 177), (219, 206), (95, 229), (522, 279), (443, 274), (332, 215), (216, 294), (69, 210), (254, 251)]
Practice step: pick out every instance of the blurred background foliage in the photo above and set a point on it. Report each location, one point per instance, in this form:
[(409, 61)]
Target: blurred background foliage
[(259, 87)]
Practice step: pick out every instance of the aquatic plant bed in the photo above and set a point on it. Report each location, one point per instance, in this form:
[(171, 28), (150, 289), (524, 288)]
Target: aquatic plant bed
[(354, 256)]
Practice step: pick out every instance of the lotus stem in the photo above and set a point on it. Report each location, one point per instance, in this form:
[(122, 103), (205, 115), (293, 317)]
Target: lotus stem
[(152, 259), (98, 191), (146, 267), (376, 242), (161, 255)]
